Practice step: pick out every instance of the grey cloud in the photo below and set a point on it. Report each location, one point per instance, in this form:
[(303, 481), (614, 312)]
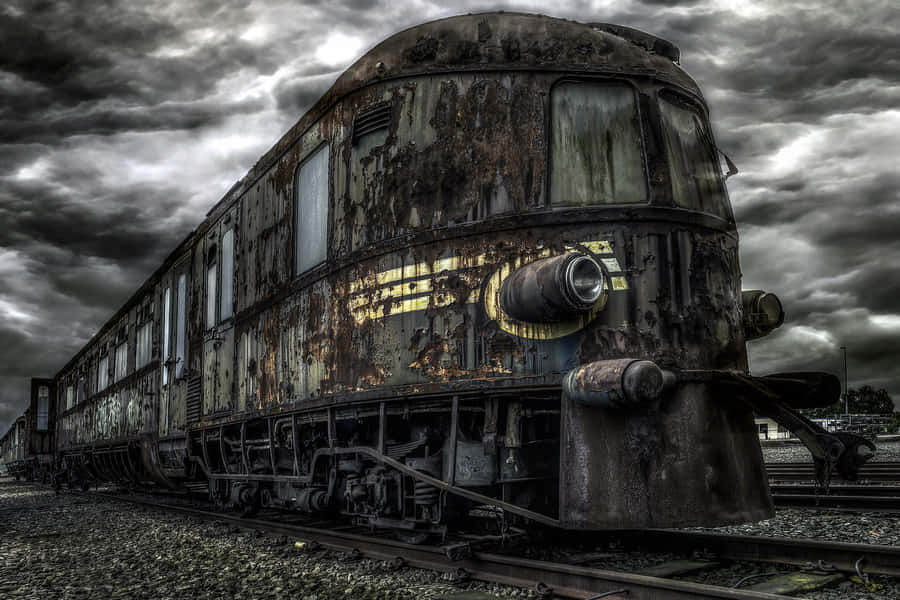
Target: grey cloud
[(81, 77), (298, 95)]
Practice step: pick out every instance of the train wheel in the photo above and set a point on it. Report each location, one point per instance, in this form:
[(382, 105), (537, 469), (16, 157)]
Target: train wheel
[(415, 538)]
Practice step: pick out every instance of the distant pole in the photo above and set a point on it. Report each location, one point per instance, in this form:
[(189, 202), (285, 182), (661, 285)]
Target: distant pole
[(846, 384)]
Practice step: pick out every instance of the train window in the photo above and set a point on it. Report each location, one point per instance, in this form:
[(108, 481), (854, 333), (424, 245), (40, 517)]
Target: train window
[(211, 277), (596, 153), (103, 373), (166, 316), (226, 304), (181, 325), (312, 211), (693, 161), (121, 361), (144, 344), (43, 408)]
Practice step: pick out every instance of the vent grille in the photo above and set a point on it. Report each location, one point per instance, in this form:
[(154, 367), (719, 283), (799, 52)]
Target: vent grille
[(193, 400), (371, 119)]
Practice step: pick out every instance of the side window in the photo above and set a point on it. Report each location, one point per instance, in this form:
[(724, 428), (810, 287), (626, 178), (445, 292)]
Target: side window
[(103, 373), (166, 332), (226, 307), (693, 161), (144, 344), (211, 278), (596, 151), (311, 211), (121, 361), (43, 408), (181, 305), (79, 390), (70, 396)]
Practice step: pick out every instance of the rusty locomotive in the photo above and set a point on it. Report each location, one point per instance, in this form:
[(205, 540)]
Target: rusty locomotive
[(494, 267)]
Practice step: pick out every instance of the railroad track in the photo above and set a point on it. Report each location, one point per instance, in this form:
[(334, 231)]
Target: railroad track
[(804, 471), (856, 498), (573, 576)]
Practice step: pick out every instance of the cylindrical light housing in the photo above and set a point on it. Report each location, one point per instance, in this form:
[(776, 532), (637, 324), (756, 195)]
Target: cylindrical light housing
[(553, 289)]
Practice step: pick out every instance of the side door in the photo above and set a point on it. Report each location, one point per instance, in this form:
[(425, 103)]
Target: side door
[(175, 370), (218, 316)]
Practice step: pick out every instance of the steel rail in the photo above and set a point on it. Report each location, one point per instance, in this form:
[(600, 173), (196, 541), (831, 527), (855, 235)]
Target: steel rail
[(890, 474), (876, 559), (885, 499), (870, 490), (567, 581)]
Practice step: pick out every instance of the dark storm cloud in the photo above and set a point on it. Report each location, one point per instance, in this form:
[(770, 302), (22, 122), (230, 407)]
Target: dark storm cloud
[(111, 120), (122, 123)]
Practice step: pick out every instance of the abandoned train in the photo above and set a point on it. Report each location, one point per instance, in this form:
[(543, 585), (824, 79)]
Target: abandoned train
[(495, 265)]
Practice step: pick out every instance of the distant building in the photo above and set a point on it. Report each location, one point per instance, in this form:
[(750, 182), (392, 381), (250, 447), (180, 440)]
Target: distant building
[(767, 429)]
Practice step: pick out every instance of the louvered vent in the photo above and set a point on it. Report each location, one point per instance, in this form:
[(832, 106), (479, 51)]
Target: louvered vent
[(193, 400), (371, 119)]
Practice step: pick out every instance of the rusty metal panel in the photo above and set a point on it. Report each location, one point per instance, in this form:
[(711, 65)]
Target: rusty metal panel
[(246, 370), (224, 372), (686, 460)]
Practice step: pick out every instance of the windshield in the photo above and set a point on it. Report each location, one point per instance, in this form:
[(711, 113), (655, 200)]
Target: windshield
[(693, 162), (596, 154)]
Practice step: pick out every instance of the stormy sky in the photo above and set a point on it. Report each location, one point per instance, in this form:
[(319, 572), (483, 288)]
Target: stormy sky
[(121, 123)]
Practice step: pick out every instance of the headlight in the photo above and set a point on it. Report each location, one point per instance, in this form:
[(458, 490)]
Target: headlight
[(763, 313), (553, 289)]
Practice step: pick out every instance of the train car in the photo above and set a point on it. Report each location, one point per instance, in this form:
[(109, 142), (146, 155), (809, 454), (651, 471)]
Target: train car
[(40, 425), (494, 267), (12, 449)]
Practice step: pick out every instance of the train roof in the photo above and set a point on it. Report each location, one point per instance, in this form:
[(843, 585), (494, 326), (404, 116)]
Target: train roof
[(491, 41), (12, 426)]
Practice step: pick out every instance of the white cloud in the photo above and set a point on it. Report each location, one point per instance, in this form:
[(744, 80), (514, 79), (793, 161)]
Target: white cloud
[(339, 48), (885, 321)]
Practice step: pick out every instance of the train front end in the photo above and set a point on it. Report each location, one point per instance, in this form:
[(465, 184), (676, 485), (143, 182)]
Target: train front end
[(578, 311)]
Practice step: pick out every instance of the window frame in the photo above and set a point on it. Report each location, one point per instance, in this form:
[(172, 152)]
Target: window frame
[(182, 310), (166, 332), (642, 131), (124, 354), (679, 98), (103, 368), (325, 145), (45, 413), (220, 305), (143, 347), (211, 267)]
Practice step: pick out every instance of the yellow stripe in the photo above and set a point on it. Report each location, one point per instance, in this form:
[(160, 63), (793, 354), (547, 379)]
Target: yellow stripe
[(405, 305), (455, 263), (410, 288), (598, 246), (415, 271), (371, 297)]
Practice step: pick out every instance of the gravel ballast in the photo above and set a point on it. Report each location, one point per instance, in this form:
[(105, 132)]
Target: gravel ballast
[(75, 547), (794, 451)]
